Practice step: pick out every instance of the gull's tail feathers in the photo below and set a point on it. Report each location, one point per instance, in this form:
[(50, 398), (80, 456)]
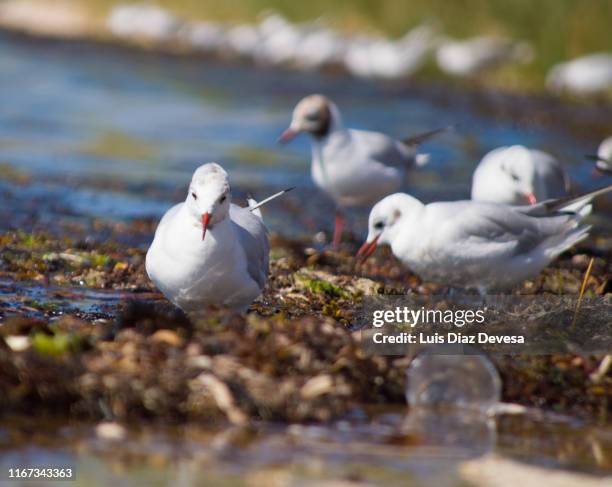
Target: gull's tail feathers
[(559, 244), (570, 204), (418, 139), (254, 205), (575, 204)]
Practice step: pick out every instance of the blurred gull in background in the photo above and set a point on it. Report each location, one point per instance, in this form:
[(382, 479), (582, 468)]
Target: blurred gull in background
[(518, 175), (318, 48), (388, 60), (357, 56), (242, 40), (205, 36), (353, 167), (279, 40), (378, 57), (311, 46), (585, 75), (471, 56), (143, 21)]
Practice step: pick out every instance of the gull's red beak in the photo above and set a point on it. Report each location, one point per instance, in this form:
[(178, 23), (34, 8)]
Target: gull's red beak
[(367, 249), (531, 198), (287, 135), (205, 220)]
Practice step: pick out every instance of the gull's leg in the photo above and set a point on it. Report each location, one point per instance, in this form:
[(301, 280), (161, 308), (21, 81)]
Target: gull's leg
[(339, 226)]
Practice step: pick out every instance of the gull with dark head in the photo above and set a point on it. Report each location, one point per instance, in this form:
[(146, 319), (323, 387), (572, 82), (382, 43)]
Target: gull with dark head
[(477, 245), (354, 167), (209, 251), (517, 175)]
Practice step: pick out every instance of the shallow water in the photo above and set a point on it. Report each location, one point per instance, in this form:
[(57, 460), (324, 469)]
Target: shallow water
[(391, 448), (109, 134), (37, 300), (124, 131)]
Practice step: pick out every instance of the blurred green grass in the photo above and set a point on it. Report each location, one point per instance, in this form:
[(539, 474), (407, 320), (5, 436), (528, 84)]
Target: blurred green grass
[(558, 29)]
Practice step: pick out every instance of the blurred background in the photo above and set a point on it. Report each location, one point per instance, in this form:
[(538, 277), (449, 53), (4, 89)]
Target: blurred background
[(121, 101), (554, 30)]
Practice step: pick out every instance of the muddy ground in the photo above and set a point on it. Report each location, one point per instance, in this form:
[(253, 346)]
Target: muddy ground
[(294, 357)]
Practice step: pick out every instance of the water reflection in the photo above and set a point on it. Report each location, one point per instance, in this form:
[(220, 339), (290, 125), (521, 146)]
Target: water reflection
[(417, 449), (463, 434)]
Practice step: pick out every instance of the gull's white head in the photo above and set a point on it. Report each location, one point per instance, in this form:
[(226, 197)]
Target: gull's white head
[(506, 175), (314, 114), (385, 221), (209, 195)]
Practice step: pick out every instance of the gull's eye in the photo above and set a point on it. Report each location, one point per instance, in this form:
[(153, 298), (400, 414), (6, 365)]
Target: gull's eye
[(222, 199), (379, 225), (510, 173), (312, 117), (195, 196)]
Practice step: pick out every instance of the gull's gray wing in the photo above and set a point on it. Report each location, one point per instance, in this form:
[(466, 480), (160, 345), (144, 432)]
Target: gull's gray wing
[(253, 236), (389, 151), (418, 139), (480, 230), (382, 148)]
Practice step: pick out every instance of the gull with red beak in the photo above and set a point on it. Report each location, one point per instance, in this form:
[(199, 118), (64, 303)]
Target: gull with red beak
[(517, 175), (354, 167), (208, 251), (477, 245)]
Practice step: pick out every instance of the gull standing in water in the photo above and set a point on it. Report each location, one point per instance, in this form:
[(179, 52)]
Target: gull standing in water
[(478, 245), (354, 167), (517, 175), (208, 251)]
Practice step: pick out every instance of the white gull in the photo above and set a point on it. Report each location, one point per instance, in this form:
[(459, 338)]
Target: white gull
[(517, 175), (477, 245), (354, 167), (208, 251)]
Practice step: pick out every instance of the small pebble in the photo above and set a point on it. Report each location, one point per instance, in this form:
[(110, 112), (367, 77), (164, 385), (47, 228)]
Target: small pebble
[(167, 336), (111, 431), (317, 386), (18, 343), (200, 362)]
